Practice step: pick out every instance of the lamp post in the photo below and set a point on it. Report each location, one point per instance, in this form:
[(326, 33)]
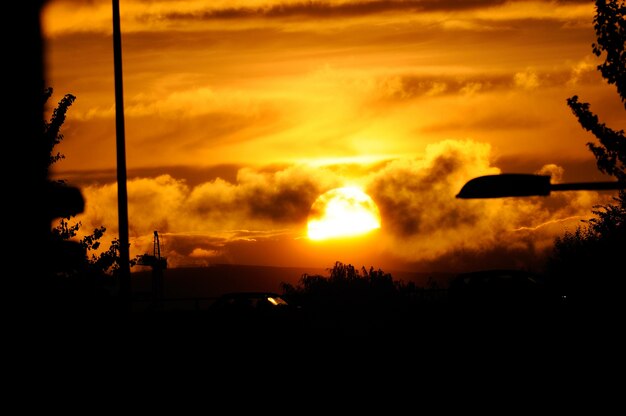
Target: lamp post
[(122, 194), (520, 184)]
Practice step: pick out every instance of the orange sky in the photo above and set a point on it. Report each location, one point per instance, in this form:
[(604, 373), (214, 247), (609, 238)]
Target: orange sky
[(240, 113)]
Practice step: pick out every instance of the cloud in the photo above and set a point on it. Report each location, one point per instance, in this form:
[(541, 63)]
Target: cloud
[(417, 203), (259, 204), (202, 253), (584, 70), (153, 204), (182, 104), (410, 192), (222, 221), (402, 87), (278, 197), (527, 80), (554, 171), (407, 86)]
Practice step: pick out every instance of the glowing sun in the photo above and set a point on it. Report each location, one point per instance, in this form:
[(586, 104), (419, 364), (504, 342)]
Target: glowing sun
[(342, 212)]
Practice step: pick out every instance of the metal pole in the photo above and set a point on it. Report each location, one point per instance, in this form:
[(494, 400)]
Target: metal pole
[(592, 186), (122, 194)]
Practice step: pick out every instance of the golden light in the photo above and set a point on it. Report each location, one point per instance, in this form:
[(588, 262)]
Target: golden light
[(342, 212)]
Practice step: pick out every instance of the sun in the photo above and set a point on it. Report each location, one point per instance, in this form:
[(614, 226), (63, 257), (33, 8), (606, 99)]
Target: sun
[(342, 212)]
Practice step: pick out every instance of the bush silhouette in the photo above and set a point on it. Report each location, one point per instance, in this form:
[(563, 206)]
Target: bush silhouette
[(352, 299)]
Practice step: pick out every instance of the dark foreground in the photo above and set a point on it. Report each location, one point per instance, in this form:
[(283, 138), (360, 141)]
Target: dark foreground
[(467, 313), (434, 323)]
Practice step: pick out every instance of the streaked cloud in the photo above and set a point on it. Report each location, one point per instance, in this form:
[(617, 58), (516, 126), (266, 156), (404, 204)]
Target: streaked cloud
[(325, 9), (70, 16)]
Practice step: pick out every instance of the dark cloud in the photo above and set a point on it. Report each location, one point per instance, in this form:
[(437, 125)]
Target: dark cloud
[(409, 86), (282, 197), (185, 244), (427, 224), (285, 203), (419, 200), (319, 9)]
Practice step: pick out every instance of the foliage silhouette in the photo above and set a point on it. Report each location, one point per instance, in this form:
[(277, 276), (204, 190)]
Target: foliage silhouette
[(52, 129), (93, 263), (591, 256), (352, 299), (610, 27)]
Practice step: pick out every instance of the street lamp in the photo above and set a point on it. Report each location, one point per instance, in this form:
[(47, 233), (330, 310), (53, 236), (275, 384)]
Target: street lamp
[(521, 184)]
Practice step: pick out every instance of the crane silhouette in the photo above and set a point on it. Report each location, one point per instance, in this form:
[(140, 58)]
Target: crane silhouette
[(158, 264)]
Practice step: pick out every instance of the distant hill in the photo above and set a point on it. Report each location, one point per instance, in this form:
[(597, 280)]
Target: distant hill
[(214, 280)]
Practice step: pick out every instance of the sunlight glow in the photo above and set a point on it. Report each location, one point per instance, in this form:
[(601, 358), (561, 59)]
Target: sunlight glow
[(348, 160), (342, 212)]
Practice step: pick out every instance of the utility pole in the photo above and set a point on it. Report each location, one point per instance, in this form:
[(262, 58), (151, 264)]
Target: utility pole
[(122, 193)]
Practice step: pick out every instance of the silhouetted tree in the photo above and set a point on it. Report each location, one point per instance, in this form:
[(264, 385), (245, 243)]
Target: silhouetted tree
[(350, 298), (52, 129), (345, 280), (92, 264), (592, 256), (610, 27)]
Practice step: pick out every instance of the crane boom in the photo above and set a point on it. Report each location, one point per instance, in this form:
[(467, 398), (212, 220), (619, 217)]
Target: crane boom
[(157, 245), (158, 264), (154, 260)]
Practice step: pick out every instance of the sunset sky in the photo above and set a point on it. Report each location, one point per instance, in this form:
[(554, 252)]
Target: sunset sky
[(240, 114)]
